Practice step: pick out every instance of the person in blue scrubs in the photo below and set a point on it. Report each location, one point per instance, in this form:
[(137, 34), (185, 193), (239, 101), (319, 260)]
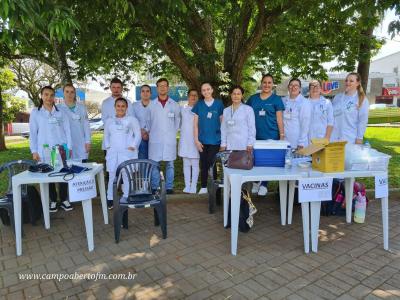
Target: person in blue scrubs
[(207, 130), (268, 110)]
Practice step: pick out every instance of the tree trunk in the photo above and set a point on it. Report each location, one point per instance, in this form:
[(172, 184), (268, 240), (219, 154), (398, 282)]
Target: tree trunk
[(62, 66), (364, 54), (2, 139)]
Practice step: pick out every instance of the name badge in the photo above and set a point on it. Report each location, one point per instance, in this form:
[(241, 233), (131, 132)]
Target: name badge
[(261, 113), (231, 122), (171, 115), (120, 127), (209, 115), (76, 117), (53, 120), (337, 112), (287, 115)]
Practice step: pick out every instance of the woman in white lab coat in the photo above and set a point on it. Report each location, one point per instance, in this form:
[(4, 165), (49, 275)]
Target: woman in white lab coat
[(49, 125), (187, 148), (238, 128), (79, 124), (350, 110), (321, 113), (297, 116), (122, 138)]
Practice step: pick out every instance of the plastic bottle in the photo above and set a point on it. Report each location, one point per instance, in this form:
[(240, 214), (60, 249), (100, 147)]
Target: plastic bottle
[(65, 146), (53, 157), (367, 145), (360, 208), (46, 154), (57, 162), (288, 158)]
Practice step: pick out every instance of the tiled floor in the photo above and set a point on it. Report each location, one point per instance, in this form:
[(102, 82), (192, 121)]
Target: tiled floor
[(194, 261)]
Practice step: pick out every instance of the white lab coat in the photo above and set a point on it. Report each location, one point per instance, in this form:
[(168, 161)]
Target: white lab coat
[(141, 113), (321, 117), (238, 129), (119, 134), (163, 126), (350, 121), (187, 147), (108, 111), (296, 120), (50, 128), (80, 129)]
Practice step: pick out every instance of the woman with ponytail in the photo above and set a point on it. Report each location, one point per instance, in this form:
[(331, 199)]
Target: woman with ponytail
[(49, 126), (350, 110)]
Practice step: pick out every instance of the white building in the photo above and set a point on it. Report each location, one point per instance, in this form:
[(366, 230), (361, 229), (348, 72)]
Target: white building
[(387, 64)]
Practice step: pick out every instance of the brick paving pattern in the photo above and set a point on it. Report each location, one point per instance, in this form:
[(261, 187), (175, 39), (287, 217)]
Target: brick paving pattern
[(194, 262)]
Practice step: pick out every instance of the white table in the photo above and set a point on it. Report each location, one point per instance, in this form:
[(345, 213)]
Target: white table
[(349, 177), (233, 180), (43, 180)]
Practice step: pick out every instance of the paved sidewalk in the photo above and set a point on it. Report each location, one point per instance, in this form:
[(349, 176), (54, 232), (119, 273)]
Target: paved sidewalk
[(194, 262)]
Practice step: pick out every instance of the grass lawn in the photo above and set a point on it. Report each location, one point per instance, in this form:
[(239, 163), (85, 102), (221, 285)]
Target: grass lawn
[(386, 140)]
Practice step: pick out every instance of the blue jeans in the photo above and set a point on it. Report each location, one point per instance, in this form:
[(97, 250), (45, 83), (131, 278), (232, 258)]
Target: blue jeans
[(169, 176), (143, 150)]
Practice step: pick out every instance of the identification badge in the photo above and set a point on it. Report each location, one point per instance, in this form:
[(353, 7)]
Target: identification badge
[(337, 112), (120, 127), (231, 122), (76, 117), (53, 120), (171, 115), (261, 113), (287, 115), (209, 115)]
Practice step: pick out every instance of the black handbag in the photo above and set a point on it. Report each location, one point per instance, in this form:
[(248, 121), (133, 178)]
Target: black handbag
[(246, 212)]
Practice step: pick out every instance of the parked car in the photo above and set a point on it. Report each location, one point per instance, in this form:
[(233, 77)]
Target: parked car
[(96, 124)]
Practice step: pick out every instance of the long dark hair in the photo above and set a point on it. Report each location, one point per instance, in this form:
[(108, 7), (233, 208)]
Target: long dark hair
[(47, 87)]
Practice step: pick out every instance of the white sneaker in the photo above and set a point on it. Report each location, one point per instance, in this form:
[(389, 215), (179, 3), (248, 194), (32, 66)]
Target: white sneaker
[(262, 191), (203, 191), (255, 188), (186, 190), (193, 190)]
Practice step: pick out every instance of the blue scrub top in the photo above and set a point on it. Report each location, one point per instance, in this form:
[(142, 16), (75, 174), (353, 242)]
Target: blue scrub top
[(266, 123), (209, 127)]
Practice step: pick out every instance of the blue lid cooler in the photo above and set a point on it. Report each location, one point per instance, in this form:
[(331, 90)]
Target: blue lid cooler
[(270, 153)]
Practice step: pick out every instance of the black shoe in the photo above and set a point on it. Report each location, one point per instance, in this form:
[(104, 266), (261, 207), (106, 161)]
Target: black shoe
[(170, 192), (110, 204), (53, 207)]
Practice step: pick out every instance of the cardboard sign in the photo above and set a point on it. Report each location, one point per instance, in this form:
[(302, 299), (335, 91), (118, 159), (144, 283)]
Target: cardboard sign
[(381, 186), (315, 189), (82, 188)]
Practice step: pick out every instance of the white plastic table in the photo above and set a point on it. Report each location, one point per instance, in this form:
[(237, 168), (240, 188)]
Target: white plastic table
[(233, 180), (43, 180), (315, 207)]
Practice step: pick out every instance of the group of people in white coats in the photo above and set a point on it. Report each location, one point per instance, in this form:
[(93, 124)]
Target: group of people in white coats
[(65, 124), (148, 128)]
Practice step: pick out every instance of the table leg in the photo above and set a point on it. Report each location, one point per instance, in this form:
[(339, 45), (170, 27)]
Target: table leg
[(102, 187), (385, 222), (44, 196), (315, 216), (292, 185), (348, 190), (305, 207), (227, 190), (283, 200), (16, 189), (87, 215), (236, 185)]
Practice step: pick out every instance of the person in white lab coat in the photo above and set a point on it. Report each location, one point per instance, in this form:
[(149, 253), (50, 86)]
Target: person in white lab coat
[(350, 110), (321, 113), (49, 125), (187, 147), (238, 127), (79, 124), (122, 138), (141, 111), (108, 105), (164, 120), (297, 116)]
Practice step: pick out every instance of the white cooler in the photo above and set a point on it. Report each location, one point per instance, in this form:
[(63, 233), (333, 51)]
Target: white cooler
[(270, 153)]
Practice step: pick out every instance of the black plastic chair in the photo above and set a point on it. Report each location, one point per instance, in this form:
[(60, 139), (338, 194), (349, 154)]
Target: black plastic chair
[(216, 183), (12, 168), (137, 174)]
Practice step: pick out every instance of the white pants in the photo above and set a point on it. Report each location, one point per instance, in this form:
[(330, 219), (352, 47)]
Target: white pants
[(191, 173), (125, 187)]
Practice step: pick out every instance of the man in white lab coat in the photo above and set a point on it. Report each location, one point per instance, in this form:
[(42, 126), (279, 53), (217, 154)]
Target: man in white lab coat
[(163, 124), (108, 105)]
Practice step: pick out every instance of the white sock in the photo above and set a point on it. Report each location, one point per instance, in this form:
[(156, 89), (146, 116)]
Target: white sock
[(186, 172), (195, 173)]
